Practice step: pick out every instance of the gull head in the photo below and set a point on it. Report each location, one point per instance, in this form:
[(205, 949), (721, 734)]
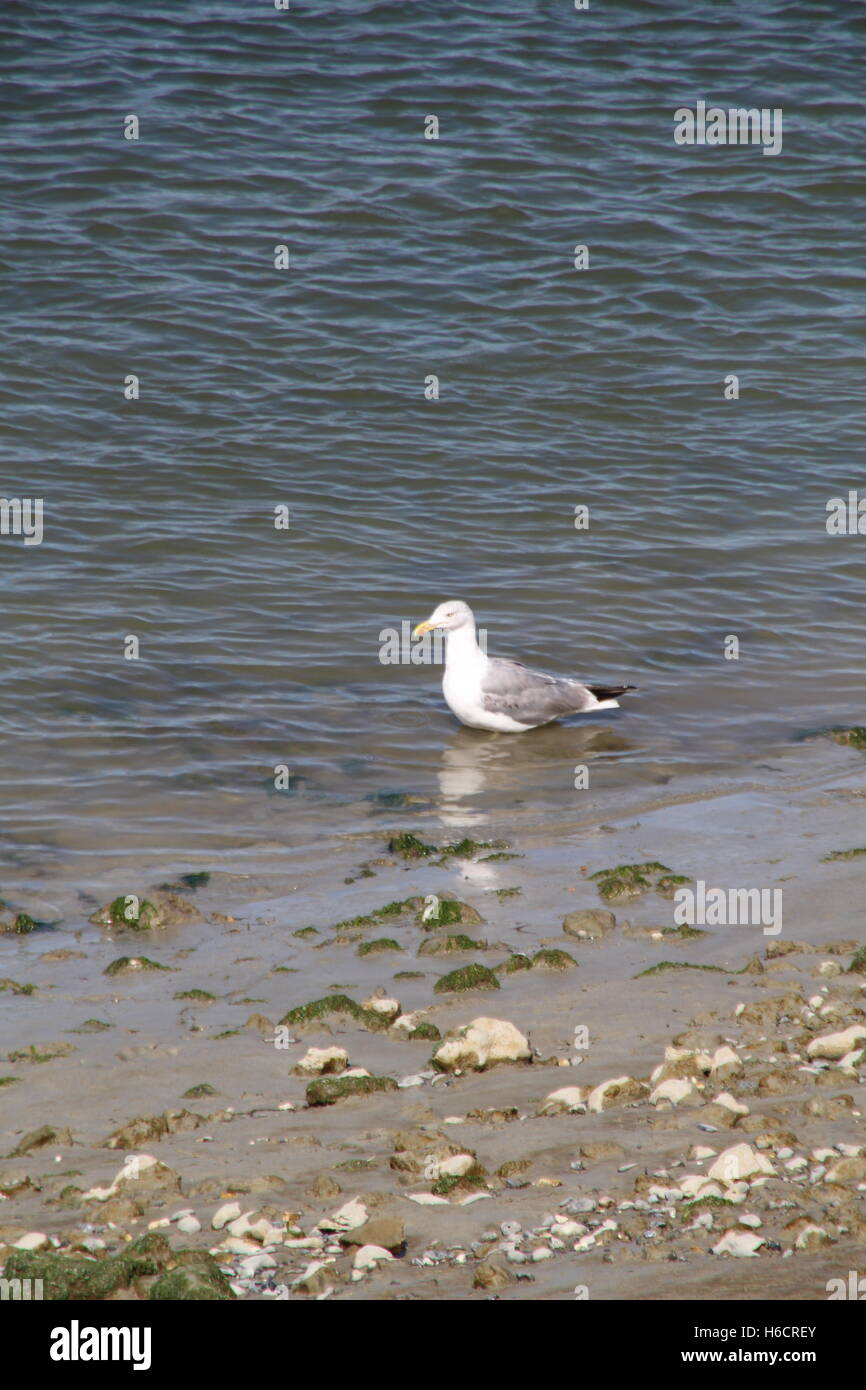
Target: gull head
[(448, 616)]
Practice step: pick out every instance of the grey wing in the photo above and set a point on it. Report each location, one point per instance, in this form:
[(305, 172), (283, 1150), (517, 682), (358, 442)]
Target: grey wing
[(531, 697)]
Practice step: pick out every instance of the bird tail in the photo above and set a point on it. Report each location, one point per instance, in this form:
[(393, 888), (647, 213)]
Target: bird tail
[(607, 694)]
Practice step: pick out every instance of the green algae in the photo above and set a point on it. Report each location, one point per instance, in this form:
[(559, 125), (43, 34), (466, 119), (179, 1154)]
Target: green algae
[(665, 965), (14, 987), (65, 1277), (515, 962), (409, 846), (319, 1009), (475, 976), (444, 1186), (425, 1032), (327, 1090), (148, 914), (855, 737), (372, 919), (125, 965), (382, 943), (203, 996), (444, 945), (549, 959), (842, 854), (204, 1088)]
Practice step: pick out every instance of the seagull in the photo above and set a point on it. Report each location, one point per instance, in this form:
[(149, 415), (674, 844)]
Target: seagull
[(493, 693)]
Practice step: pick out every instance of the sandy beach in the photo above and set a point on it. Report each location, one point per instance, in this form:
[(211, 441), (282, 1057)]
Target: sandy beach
[(144, 1100)]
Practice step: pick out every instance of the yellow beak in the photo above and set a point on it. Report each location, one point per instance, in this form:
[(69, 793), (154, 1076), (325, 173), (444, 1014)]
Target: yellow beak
[(421, 628)]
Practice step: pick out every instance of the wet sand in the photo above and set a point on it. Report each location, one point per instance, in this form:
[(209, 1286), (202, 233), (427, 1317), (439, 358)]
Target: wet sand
[(612, 1174)]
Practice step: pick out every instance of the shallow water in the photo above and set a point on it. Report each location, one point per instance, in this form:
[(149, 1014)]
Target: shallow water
[(305, 387)]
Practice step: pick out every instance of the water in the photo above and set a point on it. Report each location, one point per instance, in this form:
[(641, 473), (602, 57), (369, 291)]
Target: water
[(305, 387)]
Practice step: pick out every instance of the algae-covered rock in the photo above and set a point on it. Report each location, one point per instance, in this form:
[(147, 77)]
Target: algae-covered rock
[(333, 1004), (66, 1278), (855, 737), (330, 1089), (135, 912), (382, 943), (132, 965), (42, 1052), (446, 945), (517, 961), (589, 924), (424, 1032), (322, 1061), (16, 923), (629, 881), (195, 1278), (409, 846), (467, 977), (446, 912), (552, 960), (152, 1127), (39, 1138)]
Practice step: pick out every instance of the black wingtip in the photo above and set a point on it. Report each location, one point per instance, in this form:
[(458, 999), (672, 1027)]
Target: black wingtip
[(609, 692)]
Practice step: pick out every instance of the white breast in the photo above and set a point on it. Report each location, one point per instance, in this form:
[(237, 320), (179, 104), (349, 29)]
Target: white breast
[(461, 686)]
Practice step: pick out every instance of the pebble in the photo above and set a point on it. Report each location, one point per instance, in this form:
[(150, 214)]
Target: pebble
[(230, 1211), (254, 1263), (34, 1240), (190, 1225), (741, 1243), (369, 1256), (740, 1161)]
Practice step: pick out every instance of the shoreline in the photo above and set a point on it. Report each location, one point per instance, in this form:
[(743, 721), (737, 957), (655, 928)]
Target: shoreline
[(243, 967)]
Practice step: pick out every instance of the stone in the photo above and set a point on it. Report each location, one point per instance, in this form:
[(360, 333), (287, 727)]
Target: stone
[(738, 1162), (676, 1090), (617, 1091), (483, 1043), (726, 1064), (369, 1256), (39, 1138), (34, 1240), (834, 1046), (230, 1211), (318, 1277), (323, 1186), (589, 924), (322, 1061), (567, 1098), (740, 1243), (492, 1274), (380, 1004), (847, 1170), (387, 1232)]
